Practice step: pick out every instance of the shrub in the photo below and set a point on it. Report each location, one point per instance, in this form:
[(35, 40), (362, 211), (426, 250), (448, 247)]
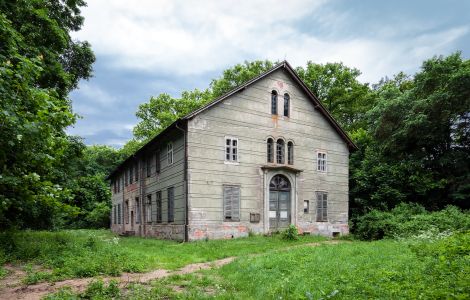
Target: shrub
[(290, 233), (407, 220)]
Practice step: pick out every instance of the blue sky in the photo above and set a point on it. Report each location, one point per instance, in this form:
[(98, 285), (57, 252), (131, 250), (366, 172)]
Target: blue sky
[(148, 47)]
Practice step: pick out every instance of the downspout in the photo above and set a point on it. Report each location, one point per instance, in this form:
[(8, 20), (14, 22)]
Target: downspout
[(186, 218)]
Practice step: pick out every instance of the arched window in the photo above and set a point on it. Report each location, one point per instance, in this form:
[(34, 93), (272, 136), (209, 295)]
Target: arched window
[(280, 151), (290, 153), (274, 103), (286, 104), (270, 150)]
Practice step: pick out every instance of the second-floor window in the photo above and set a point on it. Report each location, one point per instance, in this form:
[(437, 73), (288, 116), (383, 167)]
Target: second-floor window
[(157, 162), (290, 153), (149, 166), (321, 162), (170, 153), (280, 151), (231, 149), (270, 150)]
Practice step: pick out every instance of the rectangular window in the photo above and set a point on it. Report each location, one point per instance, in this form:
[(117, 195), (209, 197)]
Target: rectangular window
[(126, 211), (322, 207), (119, 214), (137, 210), (159, 206), (170, 153), (231, 149), (306, 207), (171, 204), (114, 214), (321, 162), (148, 209), (157, 162), (136, 171), (231, 203), (149, 166)]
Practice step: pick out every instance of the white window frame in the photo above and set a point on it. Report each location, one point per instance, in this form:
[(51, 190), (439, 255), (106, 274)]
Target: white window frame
[(230, 149), (148, 209), (169, 153), (322, 167)]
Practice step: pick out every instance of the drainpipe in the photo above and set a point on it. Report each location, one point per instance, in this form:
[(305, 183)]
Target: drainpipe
[(186, 218)]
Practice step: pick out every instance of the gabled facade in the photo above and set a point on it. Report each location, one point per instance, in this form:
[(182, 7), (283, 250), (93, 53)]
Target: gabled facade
[(263, 156)]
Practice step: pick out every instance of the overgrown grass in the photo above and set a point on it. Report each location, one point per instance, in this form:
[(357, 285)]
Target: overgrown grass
[(386, 269), (88, 253)]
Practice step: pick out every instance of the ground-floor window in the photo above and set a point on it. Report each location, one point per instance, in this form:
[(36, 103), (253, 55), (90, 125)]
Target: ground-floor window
[(159, 206), (171, 204), (119, 213), (148, 209), (137, 208), (114, 214), (231, 203), (126, 212), (322, 206)]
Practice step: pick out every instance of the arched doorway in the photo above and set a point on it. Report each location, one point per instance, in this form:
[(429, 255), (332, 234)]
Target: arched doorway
[(279, 202)]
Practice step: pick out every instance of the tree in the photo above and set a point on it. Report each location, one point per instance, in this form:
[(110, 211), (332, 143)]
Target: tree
[(161, 111), (39, 65), (340, 91)]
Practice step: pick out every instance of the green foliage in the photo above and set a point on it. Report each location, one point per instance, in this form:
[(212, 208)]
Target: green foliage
[(291, 233), (407, 220), (39, 65), (339, 89)]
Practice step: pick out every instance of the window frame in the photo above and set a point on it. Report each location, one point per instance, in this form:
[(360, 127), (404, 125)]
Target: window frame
[(230, 148), (307, 207), (270, 150), (158, 164), (169, 153), (290, 152), (148, 164), (237, 216), (148, 208), (321, 206), (274, 102), (322, 167), (286, 112), (280, 151), (138, 216), (158, 199), (171, 204), (126, 211)]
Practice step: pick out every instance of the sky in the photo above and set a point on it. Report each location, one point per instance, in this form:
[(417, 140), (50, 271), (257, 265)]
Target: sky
[(147, 47)]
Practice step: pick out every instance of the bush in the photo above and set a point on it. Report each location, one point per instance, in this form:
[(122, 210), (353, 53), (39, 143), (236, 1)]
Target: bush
[(407, 220), (290, 233)]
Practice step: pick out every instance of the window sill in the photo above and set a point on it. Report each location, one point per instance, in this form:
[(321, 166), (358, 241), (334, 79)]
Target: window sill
[(231, 162), (231, 220)]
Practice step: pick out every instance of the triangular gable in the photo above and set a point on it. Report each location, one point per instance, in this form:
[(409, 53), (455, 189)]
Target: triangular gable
[(316, 103)]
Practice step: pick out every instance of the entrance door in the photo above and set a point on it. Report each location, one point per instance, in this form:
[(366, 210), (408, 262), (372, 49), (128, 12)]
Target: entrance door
[(279, 203)]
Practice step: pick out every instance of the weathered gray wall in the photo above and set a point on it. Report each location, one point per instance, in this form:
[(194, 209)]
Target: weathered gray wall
[(170, 176), (247, 116)]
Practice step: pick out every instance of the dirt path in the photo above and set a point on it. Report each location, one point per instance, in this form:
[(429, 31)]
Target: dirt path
[(12, 288)]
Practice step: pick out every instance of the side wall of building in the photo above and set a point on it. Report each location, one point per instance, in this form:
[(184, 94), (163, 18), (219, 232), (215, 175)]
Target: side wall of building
[(139, 193), (247, 116)]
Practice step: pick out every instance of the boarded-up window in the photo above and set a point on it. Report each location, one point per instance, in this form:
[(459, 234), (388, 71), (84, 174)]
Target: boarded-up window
[(321, 162), (322, 206), (171, 204), (158, 200), (231, 149), (231, 203), (148, 209)]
